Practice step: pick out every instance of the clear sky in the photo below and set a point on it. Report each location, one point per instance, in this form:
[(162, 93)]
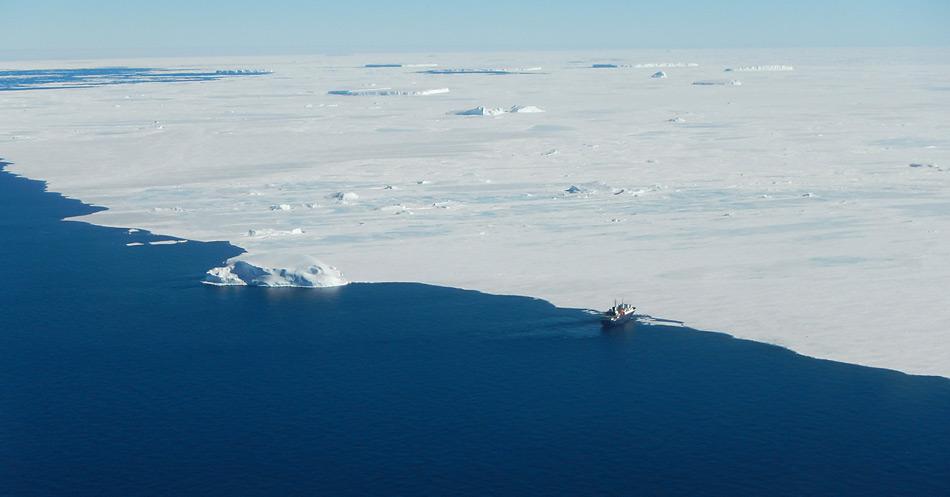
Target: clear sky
[(177, 27)]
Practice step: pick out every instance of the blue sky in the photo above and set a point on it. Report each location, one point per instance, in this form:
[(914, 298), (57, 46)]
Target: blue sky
[(176, 27)]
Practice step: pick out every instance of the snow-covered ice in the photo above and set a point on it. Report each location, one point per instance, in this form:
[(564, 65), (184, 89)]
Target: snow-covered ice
[(798, 209)]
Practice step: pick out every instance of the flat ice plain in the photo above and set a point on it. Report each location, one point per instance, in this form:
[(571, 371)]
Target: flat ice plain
[(784, 210)]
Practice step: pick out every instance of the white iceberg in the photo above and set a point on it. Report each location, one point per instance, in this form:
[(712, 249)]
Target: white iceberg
[(765, 68), (652, 65), (344, 197), (487, 70), (370, 66), (387, 92), (497, 111), (658, 75), (526, 109), (242, 273), (718, 82), (482, 111)]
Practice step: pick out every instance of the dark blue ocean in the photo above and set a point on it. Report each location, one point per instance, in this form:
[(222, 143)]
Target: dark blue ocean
[(121, 375)]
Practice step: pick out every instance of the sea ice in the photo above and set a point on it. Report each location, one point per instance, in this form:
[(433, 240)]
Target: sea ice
[(846, 131)]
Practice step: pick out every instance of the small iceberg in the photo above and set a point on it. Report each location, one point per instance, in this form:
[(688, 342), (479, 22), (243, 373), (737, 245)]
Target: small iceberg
[(497, 111), (717, 82), (658, 75), (387, 92), (463, 70), (657, 65), (377, 66), (242, 273), (344, 197), (765, 68)]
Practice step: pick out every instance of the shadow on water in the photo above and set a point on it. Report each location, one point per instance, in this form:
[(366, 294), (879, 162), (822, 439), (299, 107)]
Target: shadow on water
[(121, 375)]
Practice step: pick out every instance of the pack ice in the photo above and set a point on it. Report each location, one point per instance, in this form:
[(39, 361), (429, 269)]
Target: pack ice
[(805, 208)]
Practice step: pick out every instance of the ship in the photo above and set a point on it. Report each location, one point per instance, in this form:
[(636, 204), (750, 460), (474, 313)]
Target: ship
[(618, 315)]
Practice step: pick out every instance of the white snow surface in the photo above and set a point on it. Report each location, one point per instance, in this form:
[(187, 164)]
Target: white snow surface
[(784, 210)]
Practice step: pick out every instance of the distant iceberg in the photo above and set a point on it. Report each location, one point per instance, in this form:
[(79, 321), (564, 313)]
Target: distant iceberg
[(496, 111), (241, 273), (463, 70), (718, 82), (241, 72), (765, 68), (657, 65), (398, 65), (658, 75), (385, 92)]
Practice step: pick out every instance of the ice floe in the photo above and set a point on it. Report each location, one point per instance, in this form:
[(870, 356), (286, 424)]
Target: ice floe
[(839, 130), (658, 75)]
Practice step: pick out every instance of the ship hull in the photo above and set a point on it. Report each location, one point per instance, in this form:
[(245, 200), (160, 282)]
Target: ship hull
[(608, 322)]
